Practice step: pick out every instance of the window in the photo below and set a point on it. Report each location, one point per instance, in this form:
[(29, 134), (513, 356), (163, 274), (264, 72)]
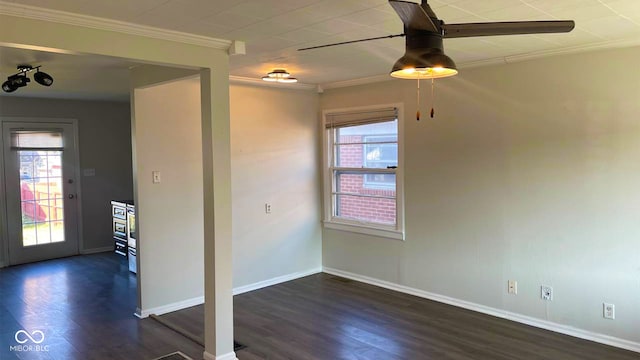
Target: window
[(362, 176), (380, 152)]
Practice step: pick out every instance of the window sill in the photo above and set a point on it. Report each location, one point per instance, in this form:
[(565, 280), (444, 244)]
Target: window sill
[(365, 229)]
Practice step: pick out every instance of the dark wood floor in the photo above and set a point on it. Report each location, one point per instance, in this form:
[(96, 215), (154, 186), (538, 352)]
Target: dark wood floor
[(327, 317), (84, 306)]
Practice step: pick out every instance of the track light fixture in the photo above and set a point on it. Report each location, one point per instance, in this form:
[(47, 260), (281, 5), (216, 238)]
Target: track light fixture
[(20, 79)]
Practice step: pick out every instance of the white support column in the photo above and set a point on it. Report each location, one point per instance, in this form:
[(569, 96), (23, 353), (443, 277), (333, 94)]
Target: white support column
[(218, 335)]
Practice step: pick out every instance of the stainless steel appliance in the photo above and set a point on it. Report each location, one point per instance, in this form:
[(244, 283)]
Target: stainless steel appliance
[(132, 260), (131, 237), (119, 226)]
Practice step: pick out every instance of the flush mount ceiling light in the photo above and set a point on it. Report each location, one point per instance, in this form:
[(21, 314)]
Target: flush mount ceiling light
[(20, 79), (279, 75)]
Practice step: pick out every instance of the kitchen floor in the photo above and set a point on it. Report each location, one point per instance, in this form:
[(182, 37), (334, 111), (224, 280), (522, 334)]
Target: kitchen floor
[(79, 307)]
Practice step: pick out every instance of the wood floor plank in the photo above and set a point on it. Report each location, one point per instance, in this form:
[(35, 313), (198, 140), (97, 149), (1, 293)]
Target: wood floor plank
[(327, 317), (85, 304)]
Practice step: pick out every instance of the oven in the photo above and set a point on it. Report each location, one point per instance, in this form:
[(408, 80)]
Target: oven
[(118, 210), (119, 226), (120, 229), (120, 236)]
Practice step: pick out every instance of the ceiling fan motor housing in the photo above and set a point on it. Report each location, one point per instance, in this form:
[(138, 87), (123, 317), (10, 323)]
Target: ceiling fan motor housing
[(424, 49)]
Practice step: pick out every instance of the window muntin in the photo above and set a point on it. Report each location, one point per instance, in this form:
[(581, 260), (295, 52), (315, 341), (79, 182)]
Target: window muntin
[(380, 152), (363, 173)]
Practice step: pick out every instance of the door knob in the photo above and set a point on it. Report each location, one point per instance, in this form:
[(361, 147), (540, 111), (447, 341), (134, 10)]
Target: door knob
[(71, 196)]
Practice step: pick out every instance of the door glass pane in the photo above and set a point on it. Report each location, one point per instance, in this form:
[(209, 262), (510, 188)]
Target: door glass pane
[(41, 197)]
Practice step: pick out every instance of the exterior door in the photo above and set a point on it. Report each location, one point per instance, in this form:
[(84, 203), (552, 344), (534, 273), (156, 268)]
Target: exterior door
[(40, 185)]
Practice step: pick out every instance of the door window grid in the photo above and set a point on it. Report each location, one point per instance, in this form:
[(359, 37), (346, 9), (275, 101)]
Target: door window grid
[(41, 196)]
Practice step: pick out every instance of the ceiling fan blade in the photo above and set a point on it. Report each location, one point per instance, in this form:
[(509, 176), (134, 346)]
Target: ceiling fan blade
[(351, 42), (414, 15), (506, 28)]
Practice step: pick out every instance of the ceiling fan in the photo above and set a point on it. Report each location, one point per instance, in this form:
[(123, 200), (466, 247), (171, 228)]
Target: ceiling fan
[(424, 57)]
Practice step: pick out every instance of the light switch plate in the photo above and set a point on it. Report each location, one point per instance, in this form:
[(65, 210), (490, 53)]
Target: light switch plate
[(156, 177)]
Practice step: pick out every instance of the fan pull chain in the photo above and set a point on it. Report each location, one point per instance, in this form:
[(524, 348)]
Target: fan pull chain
[(418, 111), (433, 96)]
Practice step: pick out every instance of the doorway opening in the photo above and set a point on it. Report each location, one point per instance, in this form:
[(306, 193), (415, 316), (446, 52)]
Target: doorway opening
[(40, 177)]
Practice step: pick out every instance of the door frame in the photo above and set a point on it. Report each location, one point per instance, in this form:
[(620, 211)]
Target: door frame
[(4, 234)]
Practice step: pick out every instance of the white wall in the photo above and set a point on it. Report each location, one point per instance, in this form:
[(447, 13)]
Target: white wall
[(170, 214), (274, 159), (104, 132), (529, 172)]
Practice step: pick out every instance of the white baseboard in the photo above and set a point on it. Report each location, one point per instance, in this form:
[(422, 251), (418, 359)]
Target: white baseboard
[(236, 291), (539, 323), (273, 281), (229, 356), (96, 250), (164, 309)]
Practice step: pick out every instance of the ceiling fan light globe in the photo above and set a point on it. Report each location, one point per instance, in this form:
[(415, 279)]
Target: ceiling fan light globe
[(269, 78), (424, 65)]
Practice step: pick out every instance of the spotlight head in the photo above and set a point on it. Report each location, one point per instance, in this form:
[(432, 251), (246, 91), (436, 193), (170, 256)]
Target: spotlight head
[(9, 87), (14, 82), (43, 78), (19, 80)]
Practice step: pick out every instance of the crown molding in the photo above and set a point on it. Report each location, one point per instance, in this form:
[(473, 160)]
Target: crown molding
[(356, 82), (67, 18), (258, 82), (603, 45)]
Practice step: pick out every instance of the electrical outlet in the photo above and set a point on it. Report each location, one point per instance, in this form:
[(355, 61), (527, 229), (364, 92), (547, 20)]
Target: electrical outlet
[(512, 287), (267, 208), (608, 311), (546, 292)]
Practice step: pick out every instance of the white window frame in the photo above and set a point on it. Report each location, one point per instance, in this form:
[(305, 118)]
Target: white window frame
[(396, 231)]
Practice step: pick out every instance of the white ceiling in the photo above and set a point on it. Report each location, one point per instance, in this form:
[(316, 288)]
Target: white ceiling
[(274, 29)]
